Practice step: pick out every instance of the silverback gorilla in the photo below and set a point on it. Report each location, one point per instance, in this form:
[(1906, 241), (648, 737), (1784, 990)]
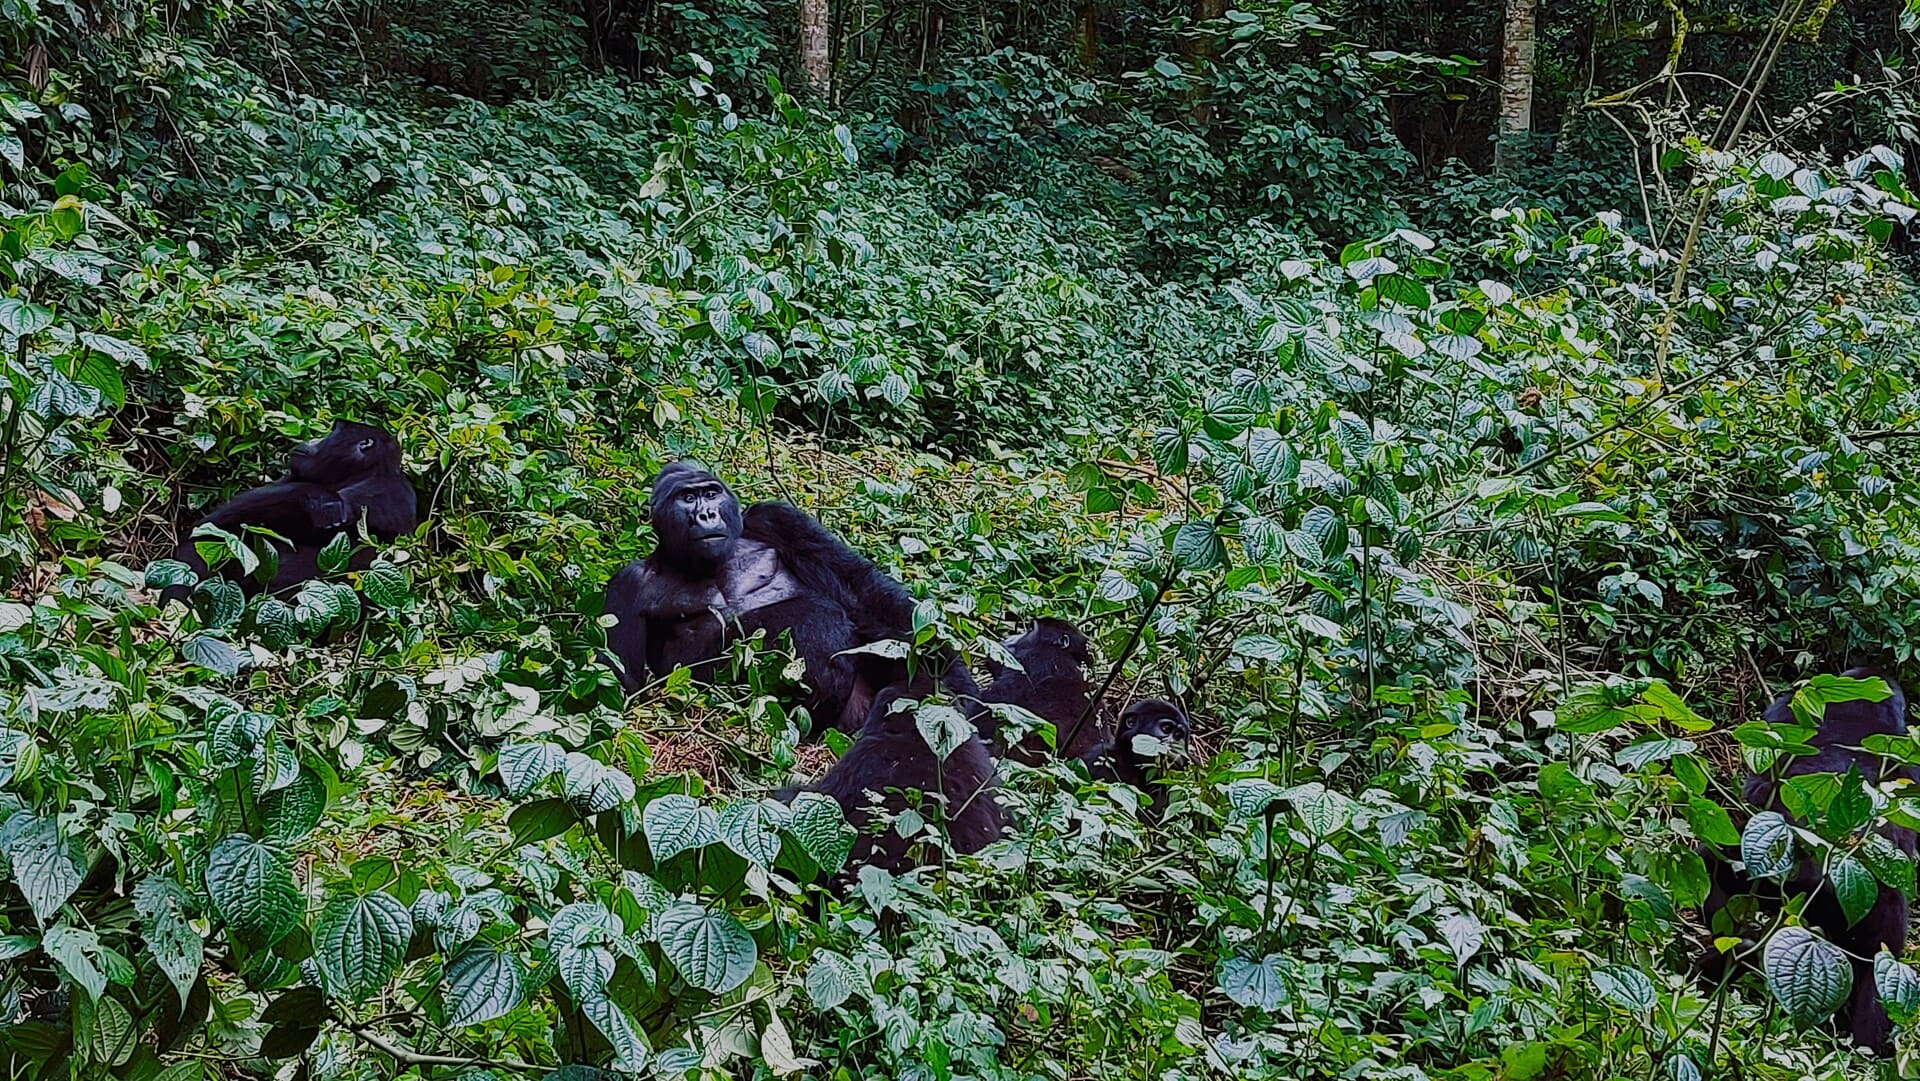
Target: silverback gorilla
[(353, 470), (717, 574), (1837, 745)]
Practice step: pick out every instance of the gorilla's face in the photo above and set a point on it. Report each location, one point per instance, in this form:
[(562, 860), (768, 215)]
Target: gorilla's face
[(349, 452), (695, 516), (1160, 722)]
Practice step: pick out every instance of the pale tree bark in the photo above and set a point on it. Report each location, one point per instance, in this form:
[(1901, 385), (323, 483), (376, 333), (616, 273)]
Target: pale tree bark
[(1516, 86), (816, 47)]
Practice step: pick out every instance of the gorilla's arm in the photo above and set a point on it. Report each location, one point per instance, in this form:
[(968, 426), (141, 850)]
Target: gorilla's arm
[(301, 512), (391, 505), (627, 640), (879, 606)]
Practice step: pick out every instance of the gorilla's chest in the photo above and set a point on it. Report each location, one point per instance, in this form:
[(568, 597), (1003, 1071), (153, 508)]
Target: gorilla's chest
[(751, 579)]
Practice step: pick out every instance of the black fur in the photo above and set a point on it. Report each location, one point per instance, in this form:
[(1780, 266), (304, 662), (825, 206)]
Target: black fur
[(1119, 760), (1052, 686), (891, 757), (353, 470), (1837, 743), (772, 567)]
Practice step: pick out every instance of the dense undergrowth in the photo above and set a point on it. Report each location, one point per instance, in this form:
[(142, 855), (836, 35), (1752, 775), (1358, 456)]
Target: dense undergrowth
[(1437, 538)]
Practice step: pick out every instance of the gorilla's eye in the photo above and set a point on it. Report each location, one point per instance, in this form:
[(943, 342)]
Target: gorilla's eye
[(365, 446)]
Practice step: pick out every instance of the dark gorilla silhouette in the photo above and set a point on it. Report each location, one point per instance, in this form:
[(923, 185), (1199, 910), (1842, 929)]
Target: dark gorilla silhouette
[(1838, 747), (1053, 686), (718, 574), (1119, 760), (331, 484), (892, 758)]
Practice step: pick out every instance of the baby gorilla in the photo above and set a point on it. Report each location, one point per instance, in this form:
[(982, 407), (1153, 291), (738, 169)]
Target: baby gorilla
[(1053, 686), (1837, 744), (1123, 759), (331, 482), (891, 757)]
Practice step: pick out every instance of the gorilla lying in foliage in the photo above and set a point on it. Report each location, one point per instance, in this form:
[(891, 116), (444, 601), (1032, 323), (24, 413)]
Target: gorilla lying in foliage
[(718, 574), (332, 483), (891, 759), (1051, 683), (1838, 744)]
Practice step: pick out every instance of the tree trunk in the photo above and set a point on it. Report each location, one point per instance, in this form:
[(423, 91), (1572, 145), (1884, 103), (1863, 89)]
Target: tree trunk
[(816, 47), (1200, 59), (1516, 87)]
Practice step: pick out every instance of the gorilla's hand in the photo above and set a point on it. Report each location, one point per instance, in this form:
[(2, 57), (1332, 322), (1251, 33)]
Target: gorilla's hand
[(326, 510)]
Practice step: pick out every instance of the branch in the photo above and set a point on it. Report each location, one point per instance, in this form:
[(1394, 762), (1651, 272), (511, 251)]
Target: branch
[(415, 1058)]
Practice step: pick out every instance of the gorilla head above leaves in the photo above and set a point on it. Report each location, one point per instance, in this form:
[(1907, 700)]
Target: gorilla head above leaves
[(695, 515)]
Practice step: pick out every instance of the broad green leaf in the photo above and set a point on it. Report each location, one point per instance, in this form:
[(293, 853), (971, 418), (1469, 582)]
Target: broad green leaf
[(1272, 456), (162, 573), (481, 984), (252, 888), (1197, 546), (585, 969), (1710, 822), (289, 813), (1887, 862), (1464, 935), (335, 554), (1250, 797), (167, 932), (1643, 753), (1169, 447), (76, 951), (943, 727), (676, 823), (709, 948), (1766, 846), (1257, 985), (822, 830), (1898, 984), (630, 1050), (22, 318), (385, 585), (1626, 987), (1808, 975), (359, 942), (275, 620), (1323, 811), (213, 654), (523, 766), (831, 979), (46, 866), (751, 827), (592, 787), (1854, 886), (235, 736)]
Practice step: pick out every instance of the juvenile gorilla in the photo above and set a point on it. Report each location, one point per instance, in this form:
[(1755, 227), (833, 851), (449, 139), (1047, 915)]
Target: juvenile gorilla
[(1838, 746), (718, 574), (1120, 760), (891, 757), (1053, 687), (330, 483)]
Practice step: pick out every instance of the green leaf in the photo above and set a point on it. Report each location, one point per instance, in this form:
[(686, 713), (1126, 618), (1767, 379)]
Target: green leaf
[(630, 1050), (1227, 415), (278, 626), (289, 813), (822, 830), (1766, 847), (222, 600), (1464, 935), (213, 655), (162, 573), (944, 728), (481, 984), (316, 607), (1354, 436), (385, 585), (523, 766), (709, 948), (1626, 987), (359, 942), (1272, 456), (591, 786), (1262, 647), (831, 979), (1197, 546), (102, 374), (1898, 984), (1257, 985), (676, 823), (1250, 797), (167, 933), (1116, 587), (751, 827), (1710, 822), (235, 735), (337, 552), (1808, 975), (75, 951), (1323, 811), (584, 969), (252, 888), (1641, 754), (45, 866), (1854, 886), (1887, 862), (21, 318), (1169, 449)]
